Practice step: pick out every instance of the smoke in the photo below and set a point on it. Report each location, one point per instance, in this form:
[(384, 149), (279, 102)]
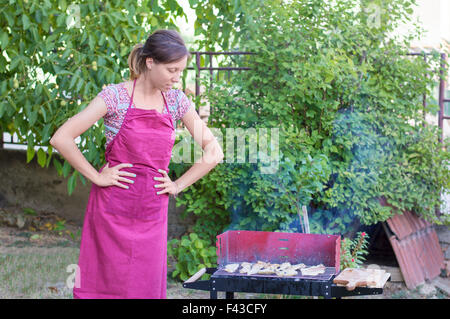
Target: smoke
[(364, 153)]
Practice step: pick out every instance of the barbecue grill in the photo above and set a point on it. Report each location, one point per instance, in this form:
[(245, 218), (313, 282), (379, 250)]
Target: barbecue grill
[(276, 247)]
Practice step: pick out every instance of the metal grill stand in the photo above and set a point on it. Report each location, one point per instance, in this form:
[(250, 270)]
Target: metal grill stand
[(237, 246), (271, 285)]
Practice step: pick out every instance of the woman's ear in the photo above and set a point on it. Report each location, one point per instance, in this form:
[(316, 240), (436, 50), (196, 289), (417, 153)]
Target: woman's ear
[(149, 62)]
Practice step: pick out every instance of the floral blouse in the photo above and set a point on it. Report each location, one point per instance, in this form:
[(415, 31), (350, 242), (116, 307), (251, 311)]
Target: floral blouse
[(117, 100)]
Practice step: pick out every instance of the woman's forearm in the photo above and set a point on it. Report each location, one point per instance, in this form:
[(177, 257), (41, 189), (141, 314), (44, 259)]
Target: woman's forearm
[(212, 156), (70, 151)]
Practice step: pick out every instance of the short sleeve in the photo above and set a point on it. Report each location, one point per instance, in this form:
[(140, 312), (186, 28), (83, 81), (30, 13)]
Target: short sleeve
[(110, 96), (183, 105)]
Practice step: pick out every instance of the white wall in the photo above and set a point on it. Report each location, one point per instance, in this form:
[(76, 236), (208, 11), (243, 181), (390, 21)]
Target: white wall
[(434, 17)]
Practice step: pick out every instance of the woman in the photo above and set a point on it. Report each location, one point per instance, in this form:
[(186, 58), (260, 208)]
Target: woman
[(123, 251)]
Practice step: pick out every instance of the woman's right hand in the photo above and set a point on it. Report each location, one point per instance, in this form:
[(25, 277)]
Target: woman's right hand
[(113, 176)]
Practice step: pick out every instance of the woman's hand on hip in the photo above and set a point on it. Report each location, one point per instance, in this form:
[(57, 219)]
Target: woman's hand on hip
[(113, 176), (167, 185)]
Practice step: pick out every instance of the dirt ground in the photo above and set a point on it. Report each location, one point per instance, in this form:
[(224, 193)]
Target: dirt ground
[(48, 236)]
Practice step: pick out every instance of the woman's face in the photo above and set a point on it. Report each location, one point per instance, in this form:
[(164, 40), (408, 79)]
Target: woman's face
[(165, 75)]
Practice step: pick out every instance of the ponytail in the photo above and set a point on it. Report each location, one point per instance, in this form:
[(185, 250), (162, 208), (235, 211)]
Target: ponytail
[(136, 61)]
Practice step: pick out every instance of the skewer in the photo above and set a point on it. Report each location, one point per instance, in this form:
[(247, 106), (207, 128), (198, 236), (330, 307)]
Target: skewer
[(300, 219), (305, 219)]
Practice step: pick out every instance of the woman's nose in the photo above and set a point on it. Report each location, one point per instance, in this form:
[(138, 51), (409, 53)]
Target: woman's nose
[(177, 77)]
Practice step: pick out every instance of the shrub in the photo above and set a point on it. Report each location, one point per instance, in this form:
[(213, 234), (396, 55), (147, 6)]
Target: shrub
[(347, 102), (353, 251)]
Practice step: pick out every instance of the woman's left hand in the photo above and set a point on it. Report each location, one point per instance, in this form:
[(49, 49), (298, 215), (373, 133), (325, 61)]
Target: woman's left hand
[(167, 184)]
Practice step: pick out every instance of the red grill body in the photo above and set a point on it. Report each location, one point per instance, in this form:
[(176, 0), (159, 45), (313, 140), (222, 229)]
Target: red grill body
[(276, 247), (237, 246)]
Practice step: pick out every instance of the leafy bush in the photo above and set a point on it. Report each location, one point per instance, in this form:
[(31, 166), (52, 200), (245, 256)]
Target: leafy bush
[(353, 251), (55, 59), (192, 254), (347, 102), (390, 161)]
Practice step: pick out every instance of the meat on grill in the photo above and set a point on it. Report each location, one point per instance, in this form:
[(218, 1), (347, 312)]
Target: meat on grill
[(231, 267), (283, 270)]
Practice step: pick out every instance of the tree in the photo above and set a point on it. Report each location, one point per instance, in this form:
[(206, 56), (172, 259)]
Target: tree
[(347, 100), (57, 56)]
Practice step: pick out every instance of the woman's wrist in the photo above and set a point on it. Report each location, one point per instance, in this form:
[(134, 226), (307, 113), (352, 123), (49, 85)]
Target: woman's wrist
[(177, 189), (96, 178)]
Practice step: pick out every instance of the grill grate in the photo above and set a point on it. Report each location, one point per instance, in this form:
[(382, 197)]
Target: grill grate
[(327, 275)]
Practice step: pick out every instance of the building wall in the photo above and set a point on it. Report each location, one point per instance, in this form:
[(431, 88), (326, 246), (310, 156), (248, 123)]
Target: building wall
[(433, 16)]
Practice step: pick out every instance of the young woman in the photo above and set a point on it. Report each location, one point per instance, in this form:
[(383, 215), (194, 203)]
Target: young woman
[(123, 251)]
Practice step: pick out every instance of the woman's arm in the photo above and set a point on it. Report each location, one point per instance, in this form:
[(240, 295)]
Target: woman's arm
[(213, 153), (64, 138)]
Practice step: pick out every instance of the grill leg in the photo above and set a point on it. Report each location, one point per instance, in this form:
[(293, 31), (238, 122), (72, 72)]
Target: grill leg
[(212, 294), (229, 295)]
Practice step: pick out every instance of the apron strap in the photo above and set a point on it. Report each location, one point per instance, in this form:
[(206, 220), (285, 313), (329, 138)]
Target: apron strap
[(165, 103), (132, 93)]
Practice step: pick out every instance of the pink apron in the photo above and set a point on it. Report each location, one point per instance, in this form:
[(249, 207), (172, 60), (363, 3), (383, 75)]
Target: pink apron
[(123, 251)]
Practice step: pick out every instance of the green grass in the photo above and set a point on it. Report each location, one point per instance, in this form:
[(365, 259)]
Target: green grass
[(28, 275)]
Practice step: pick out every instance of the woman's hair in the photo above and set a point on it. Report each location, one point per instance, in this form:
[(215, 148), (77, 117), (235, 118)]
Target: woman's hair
[(164, 46)]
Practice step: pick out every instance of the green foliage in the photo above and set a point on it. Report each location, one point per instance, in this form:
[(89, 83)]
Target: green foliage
[(276, 199), (331, 221), (353, 252), (55, 59), (391, 161), (347, 102), (221, 22), (334, 81), (192, 253), (350, 94)]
